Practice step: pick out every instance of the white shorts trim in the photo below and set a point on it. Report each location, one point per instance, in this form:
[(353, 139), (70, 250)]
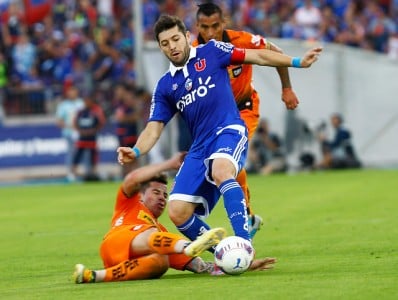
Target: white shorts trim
[(191, 199)]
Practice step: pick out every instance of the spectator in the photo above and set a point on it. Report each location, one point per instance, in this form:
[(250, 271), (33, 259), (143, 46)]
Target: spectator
[(3, 83), (65, 114), (24, 57), (266, 154), (338, 153), (379, 29), (127, 116), (101, 33), (308, 17), (392, 47), (32, 86), (13, 20), (88, 123)]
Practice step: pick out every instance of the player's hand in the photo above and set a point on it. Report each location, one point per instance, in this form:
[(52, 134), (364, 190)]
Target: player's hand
[(125, 155), (310, 57), (290, 98), (261, 264)]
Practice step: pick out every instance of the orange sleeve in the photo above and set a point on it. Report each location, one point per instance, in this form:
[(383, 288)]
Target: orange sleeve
[(243, 39)]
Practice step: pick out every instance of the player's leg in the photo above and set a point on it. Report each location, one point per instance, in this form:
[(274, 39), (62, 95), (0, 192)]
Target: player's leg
[(171, 243), (234, 200), (76, 160), (251, 119), (145, 267), (135, 241), (227, 160), (193, 227), (188, 199), (242, 180)]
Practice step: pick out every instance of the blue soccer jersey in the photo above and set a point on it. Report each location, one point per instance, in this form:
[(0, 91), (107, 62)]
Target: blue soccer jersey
[(200, 91)]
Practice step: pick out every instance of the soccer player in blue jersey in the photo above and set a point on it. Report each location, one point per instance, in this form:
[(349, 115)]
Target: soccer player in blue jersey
[(197, 87)]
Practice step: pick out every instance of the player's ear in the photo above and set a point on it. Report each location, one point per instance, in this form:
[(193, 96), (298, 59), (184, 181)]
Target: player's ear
[(188, 36)]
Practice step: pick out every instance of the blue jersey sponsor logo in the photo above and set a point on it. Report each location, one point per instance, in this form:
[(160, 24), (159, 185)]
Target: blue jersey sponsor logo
[(200, 92)]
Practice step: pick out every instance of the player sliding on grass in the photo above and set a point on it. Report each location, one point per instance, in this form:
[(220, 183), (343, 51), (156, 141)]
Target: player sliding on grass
[(197, 87), (137, 246)]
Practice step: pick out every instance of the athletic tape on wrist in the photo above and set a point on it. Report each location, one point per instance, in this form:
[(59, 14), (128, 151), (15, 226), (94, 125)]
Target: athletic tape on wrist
[(296, 62), (136, 151)]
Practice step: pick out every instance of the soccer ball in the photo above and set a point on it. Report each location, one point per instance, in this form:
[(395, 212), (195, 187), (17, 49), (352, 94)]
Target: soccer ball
[(234, 255)]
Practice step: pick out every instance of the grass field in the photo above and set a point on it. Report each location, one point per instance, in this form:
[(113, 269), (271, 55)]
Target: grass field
[(335, 235)]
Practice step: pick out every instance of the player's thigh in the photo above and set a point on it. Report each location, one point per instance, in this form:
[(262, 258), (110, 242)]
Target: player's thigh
[(193, 186), (228, 154), (139, 244), (116, 245)]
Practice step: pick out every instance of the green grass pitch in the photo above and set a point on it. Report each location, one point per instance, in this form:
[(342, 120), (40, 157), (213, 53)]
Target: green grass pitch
[(335, 235)]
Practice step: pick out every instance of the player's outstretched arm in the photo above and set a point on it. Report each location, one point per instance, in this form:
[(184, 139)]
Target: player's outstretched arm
[(288, 95), (261, 264), (134, 179), (198, 265), (264, 57), (146, 140)]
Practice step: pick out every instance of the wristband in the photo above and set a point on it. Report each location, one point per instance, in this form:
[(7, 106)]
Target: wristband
[(136, 151), (296, 62)]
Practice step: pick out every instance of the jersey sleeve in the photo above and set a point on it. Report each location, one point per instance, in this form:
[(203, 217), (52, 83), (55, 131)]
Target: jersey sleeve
[(223, 51), (161, 109), (243, 39)]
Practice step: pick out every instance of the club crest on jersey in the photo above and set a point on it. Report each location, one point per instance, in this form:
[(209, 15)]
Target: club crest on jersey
[(188, 84), (200, 65)]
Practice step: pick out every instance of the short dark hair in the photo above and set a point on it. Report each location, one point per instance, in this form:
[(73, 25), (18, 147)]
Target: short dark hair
[(166, 22), (161, 178), (208, 9)]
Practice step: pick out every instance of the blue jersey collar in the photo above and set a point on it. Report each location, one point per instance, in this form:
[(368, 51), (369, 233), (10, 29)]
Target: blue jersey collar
[(173, 69)]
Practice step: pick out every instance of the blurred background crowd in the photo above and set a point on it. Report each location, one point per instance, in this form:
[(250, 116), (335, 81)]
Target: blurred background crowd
[(89, 44)]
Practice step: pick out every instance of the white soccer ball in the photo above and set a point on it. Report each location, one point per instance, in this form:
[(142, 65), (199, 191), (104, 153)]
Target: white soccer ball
[(234, 255)]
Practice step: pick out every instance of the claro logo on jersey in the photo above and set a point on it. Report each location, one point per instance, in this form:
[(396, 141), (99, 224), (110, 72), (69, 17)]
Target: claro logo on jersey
[(200, 92)]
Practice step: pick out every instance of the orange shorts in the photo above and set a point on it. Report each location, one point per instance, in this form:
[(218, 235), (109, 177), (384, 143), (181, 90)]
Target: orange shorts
[(251, 116), (116, 245)]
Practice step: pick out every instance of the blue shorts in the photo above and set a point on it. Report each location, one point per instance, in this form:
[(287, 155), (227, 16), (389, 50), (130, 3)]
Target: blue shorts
[(193, 182)]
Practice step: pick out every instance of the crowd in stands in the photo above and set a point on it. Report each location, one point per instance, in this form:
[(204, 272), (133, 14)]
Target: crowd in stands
[(90, 43)]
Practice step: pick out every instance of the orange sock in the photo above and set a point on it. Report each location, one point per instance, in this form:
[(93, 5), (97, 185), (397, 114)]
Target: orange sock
[(242, 180), (164, 242), (146, 267)]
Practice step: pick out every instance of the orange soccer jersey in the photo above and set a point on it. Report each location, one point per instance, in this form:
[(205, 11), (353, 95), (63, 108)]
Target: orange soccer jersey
[(240, 76), (130, 218)]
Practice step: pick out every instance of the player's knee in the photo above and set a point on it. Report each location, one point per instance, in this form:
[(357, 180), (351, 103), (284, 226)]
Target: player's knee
[(179, 211), (221, 175), (222, 170)]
